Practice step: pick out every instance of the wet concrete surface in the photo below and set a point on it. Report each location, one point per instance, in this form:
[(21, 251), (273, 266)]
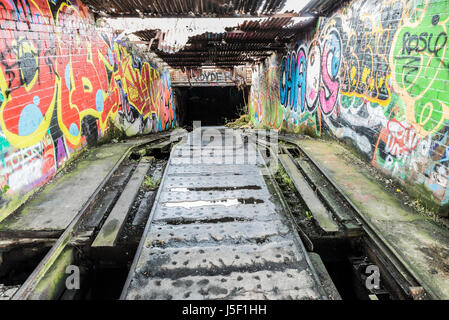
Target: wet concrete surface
[(419, 243), (216, 233)]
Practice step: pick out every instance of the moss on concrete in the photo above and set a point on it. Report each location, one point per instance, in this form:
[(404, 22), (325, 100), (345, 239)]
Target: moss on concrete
[(285, 177), (52, 284), (424, 197), (16, 201), (424, 202), (150, 184)]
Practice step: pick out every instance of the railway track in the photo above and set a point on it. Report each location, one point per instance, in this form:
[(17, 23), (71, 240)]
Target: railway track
[(215, 232), (221, 231), (46, 281), (338, 219)]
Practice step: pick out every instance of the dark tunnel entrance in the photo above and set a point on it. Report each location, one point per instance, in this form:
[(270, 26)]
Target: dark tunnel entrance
[(211, 105)]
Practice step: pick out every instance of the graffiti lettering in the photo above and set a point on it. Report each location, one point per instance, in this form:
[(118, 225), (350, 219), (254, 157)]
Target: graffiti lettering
[(62, 81)]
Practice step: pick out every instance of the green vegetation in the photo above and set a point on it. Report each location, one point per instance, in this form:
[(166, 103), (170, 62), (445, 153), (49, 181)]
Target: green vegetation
[(241, 123), (112, 133), (424, 202), (302, 130), (308, 215), (4, 189), (149, 184), (421, 198), (262, 126), (285, 178)]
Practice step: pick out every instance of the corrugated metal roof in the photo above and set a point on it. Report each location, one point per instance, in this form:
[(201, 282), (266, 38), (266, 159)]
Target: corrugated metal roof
[(322, 7), (249, 42), (164, 8)]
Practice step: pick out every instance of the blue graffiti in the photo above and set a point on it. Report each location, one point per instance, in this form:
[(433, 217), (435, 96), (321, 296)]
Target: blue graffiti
[(293, 80)]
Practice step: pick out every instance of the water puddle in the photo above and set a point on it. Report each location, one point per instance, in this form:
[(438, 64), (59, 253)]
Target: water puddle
[(203, 203), (249, 187)]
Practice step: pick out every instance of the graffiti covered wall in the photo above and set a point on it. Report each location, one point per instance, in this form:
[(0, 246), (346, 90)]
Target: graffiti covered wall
[(374, 73), (62, 80)]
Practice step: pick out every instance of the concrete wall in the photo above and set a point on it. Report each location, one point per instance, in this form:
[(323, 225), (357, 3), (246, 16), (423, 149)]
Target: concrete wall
[(374, 74), (62, 79)]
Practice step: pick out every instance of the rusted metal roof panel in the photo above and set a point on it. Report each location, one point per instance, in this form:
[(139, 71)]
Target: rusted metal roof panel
[(249, 42), (202, 8), (263, 29)]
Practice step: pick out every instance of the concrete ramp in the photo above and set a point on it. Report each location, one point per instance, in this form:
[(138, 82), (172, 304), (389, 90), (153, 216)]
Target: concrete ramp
[(215, 232)]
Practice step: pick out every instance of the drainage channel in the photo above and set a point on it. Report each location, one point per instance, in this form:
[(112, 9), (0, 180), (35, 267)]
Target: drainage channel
[(358, 266), (106, 267), (336, 250)]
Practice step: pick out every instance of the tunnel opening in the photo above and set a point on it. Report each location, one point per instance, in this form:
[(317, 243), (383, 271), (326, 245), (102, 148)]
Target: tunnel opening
[(213, 106)]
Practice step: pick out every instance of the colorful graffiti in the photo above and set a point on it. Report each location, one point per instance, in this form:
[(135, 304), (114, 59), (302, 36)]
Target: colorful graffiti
[(305, 79), (62, 80), (420, 66), (264, 96), (374, 74)]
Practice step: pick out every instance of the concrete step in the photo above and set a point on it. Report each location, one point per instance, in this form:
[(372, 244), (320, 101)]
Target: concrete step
[(179, 199), (178, 262), (264, 211), (281, 285), (205, 169), (229, 180), (235, 232), (209, 160)]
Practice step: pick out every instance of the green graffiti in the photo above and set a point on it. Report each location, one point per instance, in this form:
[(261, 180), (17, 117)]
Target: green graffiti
[(4, 146), (419, 60)]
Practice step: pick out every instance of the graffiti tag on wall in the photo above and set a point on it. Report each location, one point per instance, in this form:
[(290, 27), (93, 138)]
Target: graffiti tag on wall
[(375, 74), (61, 82)]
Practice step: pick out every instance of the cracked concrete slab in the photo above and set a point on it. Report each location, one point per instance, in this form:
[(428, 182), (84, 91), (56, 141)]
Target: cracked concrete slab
[(280, 255), (229, 169)]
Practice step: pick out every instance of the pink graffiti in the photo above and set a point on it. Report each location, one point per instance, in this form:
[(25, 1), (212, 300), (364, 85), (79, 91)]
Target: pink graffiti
[(329, 88)]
